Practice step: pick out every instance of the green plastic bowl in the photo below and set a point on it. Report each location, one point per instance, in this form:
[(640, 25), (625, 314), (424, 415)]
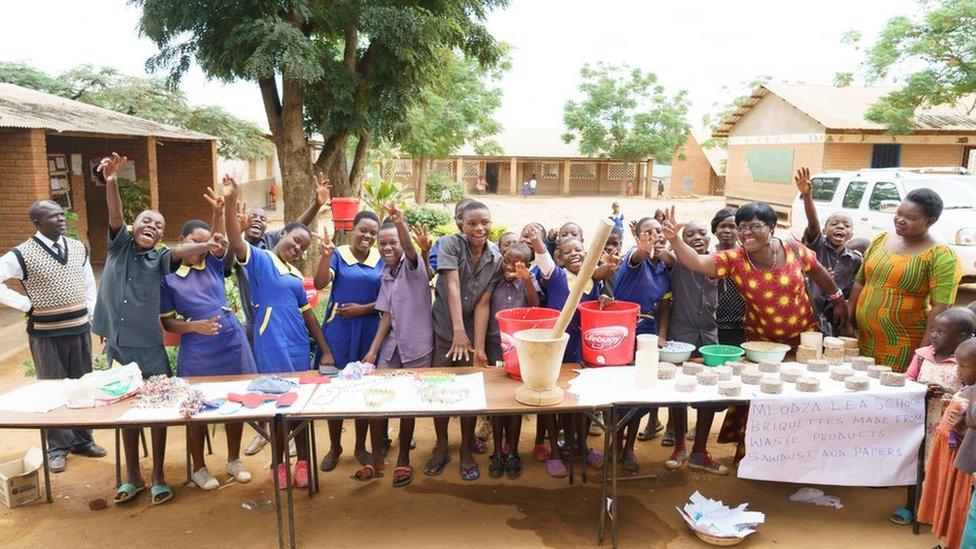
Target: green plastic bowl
[(716, 355)]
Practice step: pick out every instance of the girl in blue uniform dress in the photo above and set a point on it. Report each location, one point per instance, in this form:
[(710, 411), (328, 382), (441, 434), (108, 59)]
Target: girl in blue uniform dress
[(212, 341), (351, 320), (283, 320)]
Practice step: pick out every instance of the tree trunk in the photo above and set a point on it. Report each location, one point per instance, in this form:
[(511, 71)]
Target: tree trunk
[(358, 171), (422, 180)]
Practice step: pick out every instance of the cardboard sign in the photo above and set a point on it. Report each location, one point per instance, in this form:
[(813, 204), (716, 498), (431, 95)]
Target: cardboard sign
[(855, 439)]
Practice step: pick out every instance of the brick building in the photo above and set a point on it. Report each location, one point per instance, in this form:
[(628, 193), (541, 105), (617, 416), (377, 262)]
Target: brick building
[(783, 127), (696, 170), (49, 145), (560, 168)]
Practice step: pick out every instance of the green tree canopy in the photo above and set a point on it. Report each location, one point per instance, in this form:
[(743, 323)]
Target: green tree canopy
[(149, 98), (626, 114), (931, 54)]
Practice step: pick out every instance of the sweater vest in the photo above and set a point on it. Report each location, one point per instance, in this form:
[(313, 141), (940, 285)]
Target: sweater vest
[(56, 288)]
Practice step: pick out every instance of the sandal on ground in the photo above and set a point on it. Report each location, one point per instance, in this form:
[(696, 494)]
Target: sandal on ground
[(678, 458), (368, 472), (329, 462), (629, 464), (279, 477), (479, 446), (650, 432), (300, 478), (435, 467), (364, 457), (595, 430), (126, 492), (594, 459), (160, 494), (703, 461), (901, 516), (556, 468), (668, 439), (402, 476), (540, 452), (470, 472), (496, 465), (513, 466)]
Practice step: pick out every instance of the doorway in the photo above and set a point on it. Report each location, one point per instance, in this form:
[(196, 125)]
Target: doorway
[(491, 176)]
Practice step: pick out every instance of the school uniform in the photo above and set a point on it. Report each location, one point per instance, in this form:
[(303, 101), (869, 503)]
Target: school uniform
[(475, 280), (405, 296), (436, 248), (196, 292), (127, 298), (352, 282), (557, 292), (646, 284), (843, 265), (267, 241), (279, 333), (508, 294), (694, 301)]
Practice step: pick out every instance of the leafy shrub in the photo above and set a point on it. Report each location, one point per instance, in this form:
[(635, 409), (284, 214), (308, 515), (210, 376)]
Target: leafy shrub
[(135, 198), (497, 231), (377, 194), (29, 369), (437, 182), (427, 217)]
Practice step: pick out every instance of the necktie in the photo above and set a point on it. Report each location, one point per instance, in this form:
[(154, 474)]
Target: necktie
[(57, 249)]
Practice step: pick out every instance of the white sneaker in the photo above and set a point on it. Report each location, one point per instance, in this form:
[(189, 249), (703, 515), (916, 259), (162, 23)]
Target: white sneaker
[(255, 446), (202, 478), (236, 469)]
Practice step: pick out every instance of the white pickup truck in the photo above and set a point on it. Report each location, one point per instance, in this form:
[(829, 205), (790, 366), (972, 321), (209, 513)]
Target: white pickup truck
[(871, 197)]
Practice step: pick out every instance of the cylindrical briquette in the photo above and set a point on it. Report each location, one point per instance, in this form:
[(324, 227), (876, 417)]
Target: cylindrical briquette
[(790, 374), (892, 379), (706, 377), (769, 367), (724, 373), (691, 368), (666, 370), (857, 383), (737, 366), (840, 373), (833, 343), (685, 385), (861, 363), (771, 385), (876, 370), (729, 388), (751, 376), (818, 365), (808, 384), (804, 353)]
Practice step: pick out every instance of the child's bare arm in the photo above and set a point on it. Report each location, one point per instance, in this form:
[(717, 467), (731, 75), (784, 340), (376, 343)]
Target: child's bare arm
[(460, 344), (110, 168), (664, 318), (481, 312), (531, 296), (386, 323), (312, 324)]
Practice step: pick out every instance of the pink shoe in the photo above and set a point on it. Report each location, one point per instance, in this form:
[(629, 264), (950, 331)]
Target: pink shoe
[(282, 480), (301, 474)]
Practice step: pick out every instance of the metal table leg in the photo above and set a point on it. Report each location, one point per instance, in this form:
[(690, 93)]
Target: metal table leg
[(271, 436), (920, 470), (47, 468), (607, 437), (118, 458), (314, 456), (189, 468), (289, 495)]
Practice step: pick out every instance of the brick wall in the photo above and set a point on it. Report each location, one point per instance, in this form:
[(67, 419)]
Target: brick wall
[(185, 170), (23, 179), (740, 188), (914, 156), (693, 168), (847, 156)]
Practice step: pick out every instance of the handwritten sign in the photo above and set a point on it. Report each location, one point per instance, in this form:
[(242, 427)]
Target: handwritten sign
[(856, 439)]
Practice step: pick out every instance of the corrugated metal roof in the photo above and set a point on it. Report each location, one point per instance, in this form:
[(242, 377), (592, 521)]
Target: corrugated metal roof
[(843, 108), (25, 108), (531, 143)]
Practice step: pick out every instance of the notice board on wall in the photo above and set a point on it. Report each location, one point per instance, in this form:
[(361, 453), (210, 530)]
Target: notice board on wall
[(770, 165)]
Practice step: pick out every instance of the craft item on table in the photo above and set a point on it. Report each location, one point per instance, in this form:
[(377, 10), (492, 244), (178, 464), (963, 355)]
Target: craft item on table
[(861, 363), (812, 340), (325, 396), (685, 385), (808, 384), (103, 387), (272, 385), (892, 379), (442, 393), (840, 373), (771, 385), (161, 392), (286, 400), (769, 367), (820, 365), (729, 388), (691, 368), (833, 343), (724, 373), (312, 379), (876, 370), (790, 374), (751, 376), (356, 370), (804, 353), (437, 378), (399, 373), (229, 408), (361, 384), (666, 370), (378, 396), (737, 366), (715, 523), (192, 403), (254, 400), (706, 377), (857, 383)]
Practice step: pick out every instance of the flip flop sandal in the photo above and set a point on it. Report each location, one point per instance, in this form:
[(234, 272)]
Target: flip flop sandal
[(160, 494), (496, 466), (541, 453), (479, 446), (668, 439), (901, 516), (594, 459), (126, 492), (470, 472), (365, 458), (402, 476), (369, 472), (434, 468), (647, 434), (513, 466), (556, 468)]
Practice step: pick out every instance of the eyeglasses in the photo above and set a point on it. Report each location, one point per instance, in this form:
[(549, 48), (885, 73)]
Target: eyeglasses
[(751, 227)]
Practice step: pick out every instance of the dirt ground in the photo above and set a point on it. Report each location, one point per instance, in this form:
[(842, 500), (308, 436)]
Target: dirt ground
[(532, 511)]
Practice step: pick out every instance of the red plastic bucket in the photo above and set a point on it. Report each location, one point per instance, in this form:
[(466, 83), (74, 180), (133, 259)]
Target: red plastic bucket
[(608, 334), (515, 320), (344, 209), (310, 292)]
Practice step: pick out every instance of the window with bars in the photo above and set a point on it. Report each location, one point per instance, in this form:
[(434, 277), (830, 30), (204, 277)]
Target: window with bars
[(621, 170), (471, 169), (550, 170), (582, 170), (445, 167), (404, 167)]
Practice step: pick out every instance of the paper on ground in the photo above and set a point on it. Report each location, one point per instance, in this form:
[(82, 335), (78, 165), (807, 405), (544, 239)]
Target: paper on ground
[(715, 518), (350, 398), (37, 397), (216, 390)]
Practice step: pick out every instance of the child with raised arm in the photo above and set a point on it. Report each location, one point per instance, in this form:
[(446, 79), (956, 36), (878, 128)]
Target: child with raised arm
[(126, 313), (406, 332), (193, 303), (285, 321)]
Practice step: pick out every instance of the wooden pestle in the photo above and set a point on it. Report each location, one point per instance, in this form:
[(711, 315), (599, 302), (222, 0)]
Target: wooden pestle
[(585, 273)]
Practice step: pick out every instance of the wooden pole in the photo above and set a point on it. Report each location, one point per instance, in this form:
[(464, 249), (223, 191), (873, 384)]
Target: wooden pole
[(585, 273)]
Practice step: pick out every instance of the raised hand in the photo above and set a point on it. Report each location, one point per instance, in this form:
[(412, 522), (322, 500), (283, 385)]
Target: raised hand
[(393, 213), (670, 226), (423, 240), (110, 166), (646, 244), (242, 214), (610, 261), (553, 235), (323, 190), (535, 240), (217, 242), (522, 272), (215, 200), (230, 185), (802, 181), (326, 246), (633, 227)]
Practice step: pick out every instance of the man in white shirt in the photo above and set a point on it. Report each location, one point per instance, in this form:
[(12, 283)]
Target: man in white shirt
[(532, 185), (56, 273)]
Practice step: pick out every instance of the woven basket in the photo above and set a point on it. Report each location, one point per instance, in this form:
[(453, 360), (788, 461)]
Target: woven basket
[(715, 540)]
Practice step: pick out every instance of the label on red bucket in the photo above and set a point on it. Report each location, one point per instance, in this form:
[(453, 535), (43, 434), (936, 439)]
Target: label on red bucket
[(508, 343), (605, 337)]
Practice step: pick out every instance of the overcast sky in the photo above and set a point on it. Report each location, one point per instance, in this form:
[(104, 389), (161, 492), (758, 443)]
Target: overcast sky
[(699, 46)]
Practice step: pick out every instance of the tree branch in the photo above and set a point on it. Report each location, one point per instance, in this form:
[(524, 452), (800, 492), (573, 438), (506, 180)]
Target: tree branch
[(352, 45), (359, 158), (272, 103)]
